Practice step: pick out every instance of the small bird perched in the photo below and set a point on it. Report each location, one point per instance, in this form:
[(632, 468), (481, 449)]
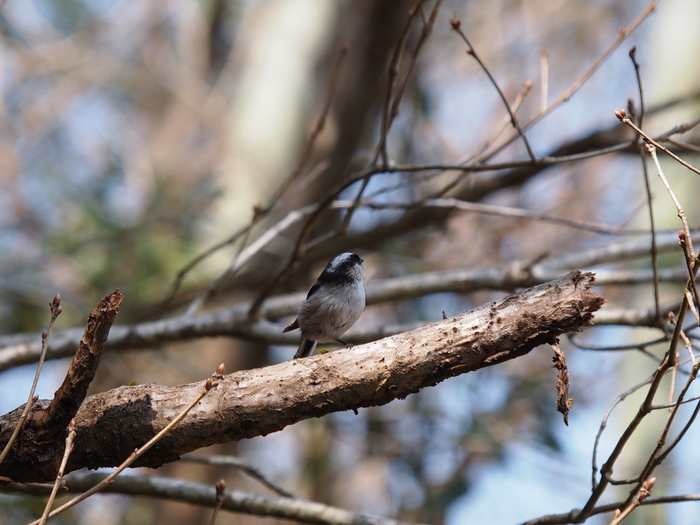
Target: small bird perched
[(333, 304)]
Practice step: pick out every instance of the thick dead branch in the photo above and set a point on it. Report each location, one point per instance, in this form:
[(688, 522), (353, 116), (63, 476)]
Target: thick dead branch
[(110, 425), (46, 424)]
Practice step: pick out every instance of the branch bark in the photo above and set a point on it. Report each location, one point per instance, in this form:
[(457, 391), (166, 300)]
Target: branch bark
[(16, 350), (110, 425), (295, 509), (70, 395)]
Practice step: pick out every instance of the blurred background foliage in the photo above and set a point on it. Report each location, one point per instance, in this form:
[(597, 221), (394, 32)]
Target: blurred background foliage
[(135, 135)]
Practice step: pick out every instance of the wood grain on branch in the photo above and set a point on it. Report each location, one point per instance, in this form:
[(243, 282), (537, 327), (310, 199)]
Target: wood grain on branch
[(110, 425)]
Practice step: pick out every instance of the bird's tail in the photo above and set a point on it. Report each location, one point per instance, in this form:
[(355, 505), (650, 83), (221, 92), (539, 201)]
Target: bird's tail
[(305, 348)]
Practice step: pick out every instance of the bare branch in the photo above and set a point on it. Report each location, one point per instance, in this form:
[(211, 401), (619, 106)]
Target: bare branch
[(457, 27), (622, 115), (56, 310), (573, 516), (234, 321), (220, 491), (669, 363), (502, 211), (622, 35), (56, 417), (257, 402), (204, 495), (205, 388), (246, 255), (242, 465), (66, 454)]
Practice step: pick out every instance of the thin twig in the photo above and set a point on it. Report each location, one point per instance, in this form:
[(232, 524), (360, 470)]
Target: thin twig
[(691, 305), (502, 127), (622, 35), (300, 246), (574, 516), (426, 31), (669, 362), (502, 211), (242, 465), (260, 212), (643, 410), (647, 184), (480, 166), (604, 424), (182, 273), (642, 347), (70, 438), (208, 385), (246, 255), (681, 213), (643, 493), (640, 86), (688, 344), (488, 142), (457, 27), (220, 490), (392, 81), (683, 431), (622, 115), (681, 129), (656, 458), (690, 262), (671, 405), (56, 309), (685, 241), (683, 145), (390, 113)]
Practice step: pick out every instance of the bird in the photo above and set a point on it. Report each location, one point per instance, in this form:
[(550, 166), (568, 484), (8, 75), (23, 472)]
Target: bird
[(333, 304)]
